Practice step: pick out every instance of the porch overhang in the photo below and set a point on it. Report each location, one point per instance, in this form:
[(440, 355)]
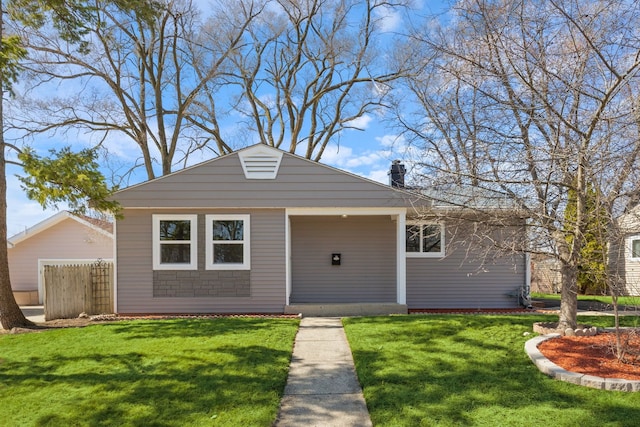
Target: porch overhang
[(399, 215)]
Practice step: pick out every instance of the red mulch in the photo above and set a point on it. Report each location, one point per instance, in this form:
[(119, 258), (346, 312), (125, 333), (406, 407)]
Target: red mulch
[(594, 355), (470, 310)]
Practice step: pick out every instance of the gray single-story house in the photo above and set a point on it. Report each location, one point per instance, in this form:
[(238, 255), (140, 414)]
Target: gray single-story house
[(265, 231)]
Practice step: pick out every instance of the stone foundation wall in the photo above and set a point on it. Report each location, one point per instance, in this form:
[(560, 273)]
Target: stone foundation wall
[(189, 284)]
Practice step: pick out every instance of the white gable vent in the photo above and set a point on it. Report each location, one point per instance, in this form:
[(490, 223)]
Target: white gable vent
[(260, 162)]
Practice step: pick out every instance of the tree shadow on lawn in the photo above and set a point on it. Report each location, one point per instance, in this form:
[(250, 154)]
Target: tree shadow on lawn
[(233, 385), (145, 329), (436, 371)]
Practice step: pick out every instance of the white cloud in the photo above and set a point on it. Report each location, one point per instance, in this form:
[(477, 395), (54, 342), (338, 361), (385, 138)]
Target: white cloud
[(361, 123), (336, 155), (371, 164), (379, 175), (123, 147), (388, 18), (366, 159), (391, 141)]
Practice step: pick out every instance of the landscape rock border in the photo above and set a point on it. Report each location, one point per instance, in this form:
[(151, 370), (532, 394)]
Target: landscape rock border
[(546, 328), (549, 368)]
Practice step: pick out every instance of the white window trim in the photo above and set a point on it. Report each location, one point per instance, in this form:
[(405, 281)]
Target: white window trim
[(193, 265), (630, 240), (246, 256), (439, 254)]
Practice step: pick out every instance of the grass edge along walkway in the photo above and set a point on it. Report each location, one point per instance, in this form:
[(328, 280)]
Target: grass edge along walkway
[(471, 370)]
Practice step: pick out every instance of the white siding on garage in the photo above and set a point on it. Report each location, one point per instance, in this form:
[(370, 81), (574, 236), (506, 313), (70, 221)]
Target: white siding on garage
[(622, 262), (630, 266), (66, 240), (135, 267)]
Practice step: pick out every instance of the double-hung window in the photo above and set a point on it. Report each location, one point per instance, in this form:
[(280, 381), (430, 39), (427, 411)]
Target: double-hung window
[(425, 240), (175, 245), (227, 246)]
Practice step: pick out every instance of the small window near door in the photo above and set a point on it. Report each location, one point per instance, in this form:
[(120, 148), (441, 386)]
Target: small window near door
[(425, 240)]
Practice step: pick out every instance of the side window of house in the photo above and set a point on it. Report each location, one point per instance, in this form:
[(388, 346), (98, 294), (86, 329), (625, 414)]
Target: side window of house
[(228, 246), (175, 243), (425, 240), (634, 246)]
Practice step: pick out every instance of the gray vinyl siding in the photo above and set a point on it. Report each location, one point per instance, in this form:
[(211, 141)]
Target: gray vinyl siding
[(300, 183), (367, 243), (469, 276), (135, 266), (368, 269)]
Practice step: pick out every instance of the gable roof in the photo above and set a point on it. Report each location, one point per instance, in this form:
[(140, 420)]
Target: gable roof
[(100, 226), (291, 182)]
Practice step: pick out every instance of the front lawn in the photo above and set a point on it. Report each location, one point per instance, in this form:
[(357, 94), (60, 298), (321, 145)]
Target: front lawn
[(455, 370), (195, 372)]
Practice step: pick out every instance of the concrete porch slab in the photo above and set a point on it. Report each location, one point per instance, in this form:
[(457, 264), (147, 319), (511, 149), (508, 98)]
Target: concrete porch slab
[(345, 309)]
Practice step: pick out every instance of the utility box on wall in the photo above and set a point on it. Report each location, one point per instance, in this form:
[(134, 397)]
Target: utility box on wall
[(336, 259)]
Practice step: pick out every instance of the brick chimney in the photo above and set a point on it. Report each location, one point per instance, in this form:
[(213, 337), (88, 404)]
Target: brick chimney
[(396, 174)]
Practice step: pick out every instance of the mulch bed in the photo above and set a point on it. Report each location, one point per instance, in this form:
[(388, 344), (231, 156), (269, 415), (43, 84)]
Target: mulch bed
[(471, 311), (594, 355)]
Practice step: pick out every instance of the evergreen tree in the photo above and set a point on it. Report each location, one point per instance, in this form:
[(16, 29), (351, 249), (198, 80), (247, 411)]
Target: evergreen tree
[(593, 253)]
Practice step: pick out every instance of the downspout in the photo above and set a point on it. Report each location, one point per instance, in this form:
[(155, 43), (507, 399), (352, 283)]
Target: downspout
[(527, 281)]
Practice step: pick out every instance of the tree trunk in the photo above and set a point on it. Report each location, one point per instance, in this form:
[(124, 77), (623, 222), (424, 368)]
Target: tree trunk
[(569, 297), (10, 314)]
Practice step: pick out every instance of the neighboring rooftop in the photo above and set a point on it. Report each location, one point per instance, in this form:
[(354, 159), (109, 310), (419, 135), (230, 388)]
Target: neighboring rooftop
[(102, 226)]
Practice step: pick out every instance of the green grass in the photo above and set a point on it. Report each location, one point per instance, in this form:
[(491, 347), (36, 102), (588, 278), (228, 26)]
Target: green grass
[(460, 370), (623, 300), (195, 372)]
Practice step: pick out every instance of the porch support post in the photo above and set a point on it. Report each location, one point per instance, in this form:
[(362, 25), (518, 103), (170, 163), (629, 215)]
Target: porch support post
[(401, 259), (114, 292), (287, 237)]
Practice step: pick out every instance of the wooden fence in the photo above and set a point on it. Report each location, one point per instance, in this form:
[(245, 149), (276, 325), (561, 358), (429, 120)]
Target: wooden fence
[(73, 289)]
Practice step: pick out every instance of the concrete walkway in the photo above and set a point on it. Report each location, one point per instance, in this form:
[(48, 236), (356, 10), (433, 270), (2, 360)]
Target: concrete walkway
[(35, 313), (322, 388)]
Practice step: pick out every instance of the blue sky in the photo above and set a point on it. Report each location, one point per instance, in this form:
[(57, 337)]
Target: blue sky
[(367, 153)]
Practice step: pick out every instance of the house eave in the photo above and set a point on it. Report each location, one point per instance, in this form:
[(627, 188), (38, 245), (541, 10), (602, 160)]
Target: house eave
[(50, 222)]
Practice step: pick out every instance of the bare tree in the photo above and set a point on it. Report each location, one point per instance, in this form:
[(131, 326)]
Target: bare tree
[(534, 100), (286, 73), (310, 68), (136, 76)]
